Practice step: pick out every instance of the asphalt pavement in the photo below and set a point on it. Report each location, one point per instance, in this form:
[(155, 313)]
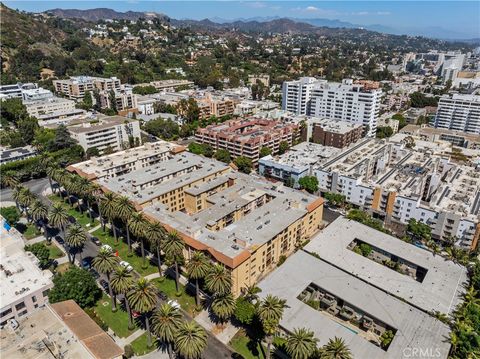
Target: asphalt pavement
[(37, 186)]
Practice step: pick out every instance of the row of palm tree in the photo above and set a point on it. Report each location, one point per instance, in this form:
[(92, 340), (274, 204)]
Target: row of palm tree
[(186, 338)]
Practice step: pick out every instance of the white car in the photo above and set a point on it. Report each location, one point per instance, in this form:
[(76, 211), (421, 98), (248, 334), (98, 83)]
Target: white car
[(174, 303), (106, 247), (126, 265)]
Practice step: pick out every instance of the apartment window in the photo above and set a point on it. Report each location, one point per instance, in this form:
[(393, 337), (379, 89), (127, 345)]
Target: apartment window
[(34, 299), (6, 312), (22, 313), (45, 292), (20, 306)]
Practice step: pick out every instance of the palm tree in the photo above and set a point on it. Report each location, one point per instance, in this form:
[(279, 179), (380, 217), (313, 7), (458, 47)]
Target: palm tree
[(191, 340), (250, 293), (270, 312), (218, 280), (39, 212), (9, 180), (106, 262), (71, 186), (17, 195), (50, 171), (121, 283), (137, 223), (108, 205), (61, 176), (197, 268), (301, 344), (223, 306), (75, 239), (155, 233), (26, 199), (143, 298), (336, 349), (124, 210), (173, 246), (58, 217), (166, 321), (85, 189)]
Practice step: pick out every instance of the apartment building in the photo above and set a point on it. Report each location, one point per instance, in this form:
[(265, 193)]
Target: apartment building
[(112, 132), (125, 101), (357, 103), (347, 101), (456, 138), (332, 133), (37, 94), (15, 90), (459, 112), (60, 330), (296, 95), (264, 79), (168, 85), (396, 184), (246, 137), (76, 87), (50, 105), (245, 223), (16, 154), (335, 303), (24, 286)]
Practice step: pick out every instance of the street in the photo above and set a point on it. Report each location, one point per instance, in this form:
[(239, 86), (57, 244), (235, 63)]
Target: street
[(37, 186)]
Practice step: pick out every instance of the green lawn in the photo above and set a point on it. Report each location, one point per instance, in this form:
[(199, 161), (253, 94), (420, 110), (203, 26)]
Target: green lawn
[(186, 301), (55, 252), (62, 268), (117, 321), (29, 230), (243, 345), (133, 259), (139, 345), (82, 218)]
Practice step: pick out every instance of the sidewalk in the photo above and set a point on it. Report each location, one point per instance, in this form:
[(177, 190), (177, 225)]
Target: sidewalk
[(124, 341), (223, 333)]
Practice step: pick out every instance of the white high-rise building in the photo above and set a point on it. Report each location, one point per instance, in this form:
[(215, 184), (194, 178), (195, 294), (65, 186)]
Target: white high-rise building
[(296, 95), (459, 112), (346, 101)]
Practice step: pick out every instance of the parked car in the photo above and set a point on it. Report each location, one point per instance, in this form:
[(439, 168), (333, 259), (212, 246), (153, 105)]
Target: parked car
[(96, 241), (59, 240), (174, 303), (136, 314), (162, 295), (87, 262), (107, 247), (104, 284), (94, 273), (126, 265)]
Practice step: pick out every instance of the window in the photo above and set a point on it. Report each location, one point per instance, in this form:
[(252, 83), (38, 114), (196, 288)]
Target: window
[(6, 312), (20, 306), (34, 299)]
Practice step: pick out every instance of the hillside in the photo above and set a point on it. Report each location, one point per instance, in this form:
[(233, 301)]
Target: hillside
[(102, 14)]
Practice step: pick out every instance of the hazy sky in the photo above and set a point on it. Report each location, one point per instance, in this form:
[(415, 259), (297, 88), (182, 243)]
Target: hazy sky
[(457, 16)]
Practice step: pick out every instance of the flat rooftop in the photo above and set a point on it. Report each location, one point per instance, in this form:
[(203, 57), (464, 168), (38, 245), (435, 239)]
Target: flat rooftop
[(334, 126), (38, 333), (441, 289), (304, 155), (100, 123), (20, 275), (415, 329)]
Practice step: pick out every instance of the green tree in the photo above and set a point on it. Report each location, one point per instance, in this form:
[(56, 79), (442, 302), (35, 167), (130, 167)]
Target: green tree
[(419, 230), (309, 183), (384, 132), (13, 110), (270, 312), (173, 247), (166, 320), (386, 338), (62, 138), (106, 262), (92, 152), (155, 233), (223, 306), (122, 283), (39, 213), (196, 148), (283, 147), (336, 349), (58, 217), (165, 129), (218, 280), (75, 239), (9, 180), (301, 344), (265, 151), (11, 215), (76, 284), (40, 251), (191, 340), (244, 311), (243, 164), (137, 224), (197, 268), (123, 210), (223, 155), (335, 199), (143, 298), (108, 208)]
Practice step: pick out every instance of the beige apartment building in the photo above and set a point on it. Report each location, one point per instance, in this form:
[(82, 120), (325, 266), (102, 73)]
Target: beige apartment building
[(76, 87), (244, 223), (125, 101)]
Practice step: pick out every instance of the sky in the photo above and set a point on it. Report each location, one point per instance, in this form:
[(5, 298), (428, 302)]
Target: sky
[(459, 17)]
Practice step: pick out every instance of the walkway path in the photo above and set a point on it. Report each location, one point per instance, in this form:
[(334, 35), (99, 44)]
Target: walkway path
[(124, 341), (224, 333)]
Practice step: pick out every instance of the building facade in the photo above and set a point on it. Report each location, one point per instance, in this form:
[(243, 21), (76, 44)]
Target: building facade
[(459, 112), (76, 87), (51, 105), (296, 95)]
